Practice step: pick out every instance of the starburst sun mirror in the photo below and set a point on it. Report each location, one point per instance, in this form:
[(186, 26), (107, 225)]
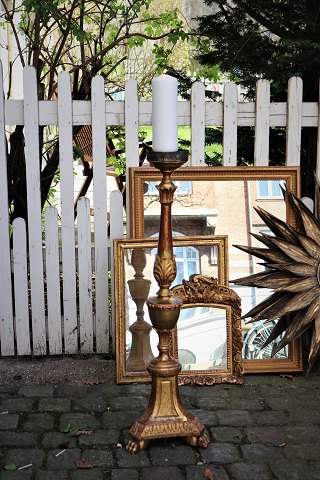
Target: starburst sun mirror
[(291, 260)]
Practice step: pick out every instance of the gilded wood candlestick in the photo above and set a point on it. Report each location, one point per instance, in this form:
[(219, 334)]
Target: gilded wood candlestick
[(165, 416)]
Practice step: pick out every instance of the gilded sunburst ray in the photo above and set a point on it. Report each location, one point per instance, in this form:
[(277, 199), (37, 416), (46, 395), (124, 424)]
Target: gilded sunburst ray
[(292, 258)]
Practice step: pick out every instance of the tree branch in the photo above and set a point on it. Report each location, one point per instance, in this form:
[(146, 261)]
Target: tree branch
[(14, 31)]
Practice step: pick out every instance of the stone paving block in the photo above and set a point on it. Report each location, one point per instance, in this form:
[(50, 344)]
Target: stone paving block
[(36, 391), (138, 390), (266, 435), (16, 405), (124, 474), (209, 419), (65, 461), (168, 455), (249, 471), (303, 451), (8, 421), (71, 391), (268, 391), (59, 440), (24, 456), (303, 416), (46, 475), (90, 405), (8, 389), (161, 473), (249, 404), (127, 403), (213, 393), (287, 403), (93, 474), (106, 390), (302, 433), (196, 472), (14, 475), (17, 439), (220, 453), (58, 405), (127, 460), (226, 434), (244, 392), (38, 422), (211, 404), (78, 420), (98, 458), (101, 437), (235, 418), (295, 470), (260, 453), (270, 417), (119, 420)]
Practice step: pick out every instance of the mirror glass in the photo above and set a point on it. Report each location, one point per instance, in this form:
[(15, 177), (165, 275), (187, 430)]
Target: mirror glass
[(220, 208), (202, 338), (139, 284)]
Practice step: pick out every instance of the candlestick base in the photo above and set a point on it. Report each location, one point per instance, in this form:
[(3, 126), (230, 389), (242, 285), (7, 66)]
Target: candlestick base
[(165, 416)]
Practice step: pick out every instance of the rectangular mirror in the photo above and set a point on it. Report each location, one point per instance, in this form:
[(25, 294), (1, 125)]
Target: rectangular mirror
[(136, 341), (220, 201)]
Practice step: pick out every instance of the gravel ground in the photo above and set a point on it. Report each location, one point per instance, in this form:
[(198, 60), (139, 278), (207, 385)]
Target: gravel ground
[(75, 370)]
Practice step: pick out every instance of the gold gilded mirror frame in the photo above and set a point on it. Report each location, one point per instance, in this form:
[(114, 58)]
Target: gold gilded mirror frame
[(204, 291), (217, 185), (130, 269)]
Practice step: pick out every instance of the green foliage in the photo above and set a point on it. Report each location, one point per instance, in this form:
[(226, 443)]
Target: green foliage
[(272, 39)]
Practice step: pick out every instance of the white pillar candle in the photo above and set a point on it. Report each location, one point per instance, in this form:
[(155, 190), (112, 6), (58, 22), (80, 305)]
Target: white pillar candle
[(165, 114)]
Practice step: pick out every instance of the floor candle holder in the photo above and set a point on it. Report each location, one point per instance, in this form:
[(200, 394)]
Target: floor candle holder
[(165, 415)]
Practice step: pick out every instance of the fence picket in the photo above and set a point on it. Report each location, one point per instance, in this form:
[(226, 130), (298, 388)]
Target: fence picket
[(32, 153), (131, 136), (198, 111), (85, 276), (100, 215), (67, 214), (6, 308), (20, 272), (262, 128), (53, 281), (230, 115), (294, 112), (116, 232)]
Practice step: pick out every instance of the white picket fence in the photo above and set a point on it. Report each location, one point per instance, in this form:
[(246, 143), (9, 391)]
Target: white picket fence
[(31, 325)]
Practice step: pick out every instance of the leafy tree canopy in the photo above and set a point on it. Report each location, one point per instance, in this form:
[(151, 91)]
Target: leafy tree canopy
[(273, 39)]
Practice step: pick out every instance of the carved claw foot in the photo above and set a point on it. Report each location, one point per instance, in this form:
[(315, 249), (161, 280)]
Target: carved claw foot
[(135, 446), (202, 441)]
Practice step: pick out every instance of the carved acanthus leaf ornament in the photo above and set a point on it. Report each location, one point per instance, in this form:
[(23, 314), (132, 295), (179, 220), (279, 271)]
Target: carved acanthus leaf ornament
[(292, 261)]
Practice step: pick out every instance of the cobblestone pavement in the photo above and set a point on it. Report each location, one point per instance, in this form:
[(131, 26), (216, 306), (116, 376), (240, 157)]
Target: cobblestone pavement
[(269, 428)]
